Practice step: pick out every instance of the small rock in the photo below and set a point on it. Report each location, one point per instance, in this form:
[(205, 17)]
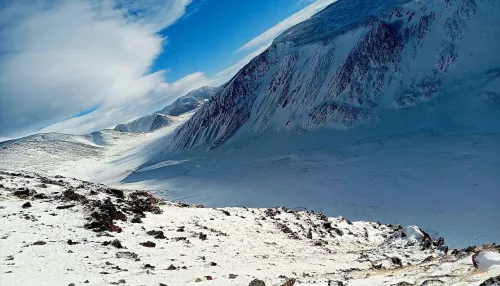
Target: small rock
[(213, 264), (148, 244), (40, 243), (71, 284), (26, 205), (116, 243), (149, 266), (290, 282), (10, 257), (432, 282), (209, 277), (428, 259), (158, 234), (397, 261), (172, 267), (426, 244), (257, 282), (492, 281), (40, 196), (64, 207), (309, 234), (126, 254), (233, 276), (338, 231), (70, 242), (116, 192), (136, 219), (439, 241)]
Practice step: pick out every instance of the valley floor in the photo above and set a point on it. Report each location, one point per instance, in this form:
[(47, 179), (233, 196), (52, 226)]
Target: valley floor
[(60, 231), (443, 182)]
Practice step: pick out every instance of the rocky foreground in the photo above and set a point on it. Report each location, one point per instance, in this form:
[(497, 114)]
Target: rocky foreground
[(61, 231)]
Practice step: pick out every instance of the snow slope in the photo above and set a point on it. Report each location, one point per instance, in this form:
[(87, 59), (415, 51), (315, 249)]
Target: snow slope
[(191, 101), (146, 123), (58, 240), (105, 156)]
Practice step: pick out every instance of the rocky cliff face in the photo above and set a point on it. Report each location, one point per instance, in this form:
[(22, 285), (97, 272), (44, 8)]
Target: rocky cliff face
[(350, 62)]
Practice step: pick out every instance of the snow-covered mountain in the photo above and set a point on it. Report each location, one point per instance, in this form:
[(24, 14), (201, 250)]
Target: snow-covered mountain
[(356, 62), (190, 101), (146, 123), (162, 118)]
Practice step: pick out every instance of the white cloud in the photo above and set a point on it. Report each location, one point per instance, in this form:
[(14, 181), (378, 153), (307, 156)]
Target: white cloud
[(268, 36), (100, 119), (59, 58)]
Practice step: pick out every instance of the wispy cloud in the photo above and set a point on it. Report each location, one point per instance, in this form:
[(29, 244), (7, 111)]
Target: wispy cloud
[(100, 118), (268, 36), (58, 58)]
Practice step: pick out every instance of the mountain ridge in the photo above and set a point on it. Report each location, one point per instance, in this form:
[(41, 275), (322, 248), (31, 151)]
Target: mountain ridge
[(164, 117), (399, 56)]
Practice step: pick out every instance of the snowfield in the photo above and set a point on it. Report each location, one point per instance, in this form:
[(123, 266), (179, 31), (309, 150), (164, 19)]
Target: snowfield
[(105, 156), (61, 231)]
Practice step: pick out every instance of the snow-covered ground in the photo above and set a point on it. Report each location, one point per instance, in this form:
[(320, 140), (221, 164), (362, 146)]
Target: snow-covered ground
[(67, 235), (435, 165), (444, 183)]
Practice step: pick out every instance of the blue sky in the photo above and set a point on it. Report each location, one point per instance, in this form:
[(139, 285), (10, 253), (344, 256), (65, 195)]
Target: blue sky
[(77, 66), (208, 37)]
